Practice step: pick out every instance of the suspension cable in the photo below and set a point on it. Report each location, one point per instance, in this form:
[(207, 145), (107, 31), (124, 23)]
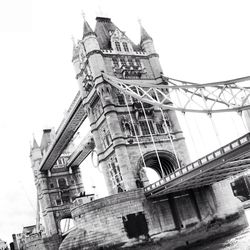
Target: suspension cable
[(136, 136), (168, 131), (188, 127), (170, 137), (152, 138)]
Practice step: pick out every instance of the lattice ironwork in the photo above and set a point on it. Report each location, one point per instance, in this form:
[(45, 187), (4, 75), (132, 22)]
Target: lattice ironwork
[(226, 96)]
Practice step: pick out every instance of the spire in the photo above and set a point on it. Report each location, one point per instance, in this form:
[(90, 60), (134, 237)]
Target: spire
[(34, 144), (144, 34), (86, 27)]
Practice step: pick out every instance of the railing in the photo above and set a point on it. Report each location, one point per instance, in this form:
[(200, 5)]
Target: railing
[(62, 126), (109, 51), (204, 160), (71, 107), (82, 200)]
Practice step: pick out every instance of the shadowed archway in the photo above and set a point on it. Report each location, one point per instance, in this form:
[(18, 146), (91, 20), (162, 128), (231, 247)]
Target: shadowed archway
[(168, 163)]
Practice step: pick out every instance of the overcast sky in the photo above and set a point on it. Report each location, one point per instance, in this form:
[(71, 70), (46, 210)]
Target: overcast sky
[(199, 41)]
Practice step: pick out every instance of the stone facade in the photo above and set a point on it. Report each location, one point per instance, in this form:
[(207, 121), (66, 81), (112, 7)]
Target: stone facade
[(118, 122), (56, 188)]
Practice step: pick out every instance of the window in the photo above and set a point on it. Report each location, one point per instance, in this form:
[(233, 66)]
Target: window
[(125, 46), (115, 62), (62, 183), (51, 185), (138, 62), (115, 173), (118, 46), (123, 62), (160, 128), (145, 129), (130, 62), (121, 99), (106, 138), (135, 130), (58, 202)]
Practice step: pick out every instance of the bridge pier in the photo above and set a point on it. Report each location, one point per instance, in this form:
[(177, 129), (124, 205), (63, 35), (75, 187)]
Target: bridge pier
[(175, 212), (128, 218)]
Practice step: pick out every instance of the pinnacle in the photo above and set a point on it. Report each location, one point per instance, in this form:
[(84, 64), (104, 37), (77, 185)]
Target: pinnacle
[(34, 144), (144, 34), (86, 28)]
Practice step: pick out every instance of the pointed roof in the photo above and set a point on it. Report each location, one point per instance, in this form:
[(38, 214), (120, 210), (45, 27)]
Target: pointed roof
[(104, 27), (144, 34), (87, 30), (46, 139), (35, 144)]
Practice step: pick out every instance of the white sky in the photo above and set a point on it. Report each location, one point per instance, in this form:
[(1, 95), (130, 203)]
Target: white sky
[(197, 41)]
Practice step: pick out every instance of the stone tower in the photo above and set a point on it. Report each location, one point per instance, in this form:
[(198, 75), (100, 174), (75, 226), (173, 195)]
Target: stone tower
[(128, 135), (57, 187)]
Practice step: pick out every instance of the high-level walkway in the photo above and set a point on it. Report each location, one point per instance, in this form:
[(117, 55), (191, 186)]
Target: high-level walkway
[(226, 161)]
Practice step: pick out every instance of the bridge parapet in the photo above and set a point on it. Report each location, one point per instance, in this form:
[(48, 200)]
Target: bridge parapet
[(70, 109), (82, 200), (209, 158)]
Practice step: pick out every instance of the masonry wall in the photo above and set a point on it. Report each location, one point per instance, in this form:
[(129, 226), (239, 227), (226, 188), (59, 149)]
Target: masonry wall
[(39, 243), (103, 222)]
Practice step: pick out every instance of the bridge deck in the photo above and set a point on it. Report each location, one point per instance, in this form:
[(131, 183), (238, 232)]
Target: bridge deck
[(75, 117), (86, 146), (226, 161)]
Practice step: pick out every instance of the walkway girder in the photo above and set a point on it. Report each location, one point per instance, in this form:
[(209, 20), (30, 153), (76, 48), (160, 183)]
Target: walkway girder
[(70, 124), (86, 146)]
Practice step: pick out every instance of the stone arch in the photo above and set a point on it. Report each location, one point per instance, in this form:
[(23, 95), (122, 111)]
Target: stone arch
[(62, 218), (168, 162)]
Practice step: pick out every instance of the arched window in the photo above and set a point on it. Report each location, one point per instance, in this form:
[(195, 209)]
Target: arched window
[(125, 46), (118, 46)]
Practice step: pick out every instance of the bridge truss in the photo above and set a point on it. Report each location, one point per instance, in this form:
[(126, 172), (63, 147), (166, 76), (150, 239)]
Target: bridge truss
[(164, 93), (168, 93)]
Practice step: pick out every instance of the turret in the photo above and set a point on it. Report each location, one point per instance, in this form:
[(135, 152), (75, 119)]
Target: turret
[(148, 46), (88, 49), (35, 152)]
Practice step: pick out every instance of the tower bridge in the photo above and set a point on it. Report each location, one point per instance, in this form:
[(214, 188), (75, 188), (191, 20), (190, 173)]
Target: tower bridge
[(132, 109)]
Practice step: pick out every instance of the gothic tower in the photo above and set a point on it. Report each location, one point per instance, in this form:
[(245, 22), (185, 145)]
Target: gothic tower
[(57, 187), (129, 136)]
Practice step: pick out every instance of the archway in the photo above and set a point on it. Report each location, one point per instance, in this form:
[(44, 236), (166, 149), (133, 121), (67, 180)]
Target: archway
[(153, 169), (66, 224)]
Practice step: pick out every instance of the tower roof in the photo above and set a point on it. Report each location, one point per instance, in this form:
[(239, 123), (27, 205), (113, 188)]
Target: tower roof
[(34, 144), (104, 27), (87, 30), (144, 34)]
